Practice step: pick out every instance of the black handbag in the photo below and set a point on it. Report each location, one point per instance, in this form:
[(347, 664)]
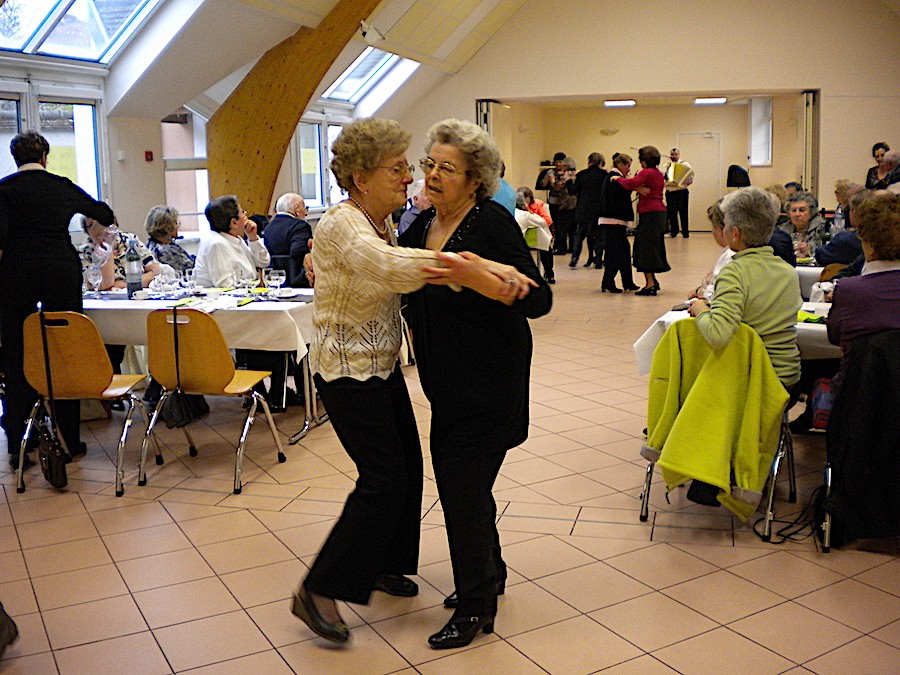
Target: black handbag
[(181, 409), (51, 454)]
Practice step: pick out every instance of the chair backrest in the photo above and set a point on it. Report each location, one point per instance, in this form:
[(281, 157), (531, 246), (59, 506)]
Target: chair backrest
[(79, 364), (205, 364), (294, 272)]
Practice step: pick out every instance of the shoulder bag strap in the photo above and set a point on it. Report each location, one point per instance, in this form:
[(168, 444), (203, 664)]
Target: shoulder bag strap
[(46, 346), (177, 356)]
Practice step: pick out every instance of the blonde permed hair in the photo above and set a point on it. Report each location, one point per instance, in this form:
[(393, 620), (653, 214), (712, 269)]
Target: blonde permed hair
[(363, 146)]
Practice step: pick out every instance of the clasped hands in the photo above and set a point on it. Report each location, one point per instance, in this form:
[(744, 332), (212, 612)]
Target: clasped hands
[(473, 271)]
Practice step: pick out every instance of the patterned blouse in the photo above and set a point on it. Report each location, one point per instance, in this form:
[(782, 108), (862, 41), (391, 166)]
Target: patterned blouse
[(171, 254), (121, 246)]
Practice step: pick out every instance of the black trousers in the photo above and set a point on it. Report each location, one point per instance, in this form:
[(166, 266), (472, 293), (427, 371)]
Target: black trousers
[(465, 484), (564, 225), (58, 287), (677, 208), (593, 235), (618, 256), (378, 531)]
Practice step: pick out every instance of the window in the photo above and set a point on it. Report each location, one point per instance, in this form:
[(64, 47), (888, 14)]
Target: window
[(361, 76), (310, 163), (187, 180), (93, 30), (9, 127), (71, 130), (760, 132)]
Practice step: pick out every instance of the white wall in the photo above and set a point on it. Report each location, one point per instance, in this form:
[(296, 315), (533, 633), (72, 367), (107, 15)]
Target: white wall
[(135, 184)]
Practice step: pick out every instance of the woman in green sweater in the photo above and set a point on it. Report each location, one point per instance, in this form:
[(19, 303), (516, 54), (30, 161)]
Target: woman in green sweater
[(757, 287)]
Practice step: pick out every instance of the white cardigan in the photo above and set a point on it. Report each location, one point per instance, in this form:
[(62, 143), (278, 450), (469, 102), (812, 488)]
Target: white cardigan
[(223, 259)]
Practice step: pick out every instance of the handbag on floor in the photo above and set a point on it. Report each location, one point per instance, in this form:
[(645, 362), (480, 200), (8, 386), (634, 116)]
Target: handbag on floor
[(181, 409), (51, 454)]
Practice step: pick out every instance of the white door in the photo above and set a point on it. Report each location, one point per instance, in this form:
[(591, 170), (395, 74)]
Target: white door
[(703, 151)]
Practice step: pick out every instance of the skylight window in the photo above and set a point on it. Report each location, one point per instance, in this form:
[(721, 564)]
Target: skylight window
[(361, 76), (90, 30)]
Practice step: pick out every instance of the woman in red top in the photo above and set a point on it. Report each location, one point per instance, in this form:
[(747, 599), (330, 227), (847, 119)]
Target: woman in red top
[(649, 237)]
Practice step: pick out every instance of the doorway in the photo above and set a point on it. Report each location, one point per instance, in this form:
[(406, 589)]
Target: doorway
[(703, 151)]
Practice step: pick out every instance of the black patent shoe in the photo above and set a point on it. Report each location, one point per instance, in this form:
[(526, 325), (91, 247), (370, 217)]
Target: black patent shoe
[(611, 289), (632, 287), (551, 280), (460, 631), (303, 607), (396, 584), (452, 600), (649, 290)]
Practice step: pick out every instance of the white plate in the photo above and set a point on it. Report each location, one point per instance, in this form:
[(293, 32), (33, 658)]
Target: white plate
[(284, 293)]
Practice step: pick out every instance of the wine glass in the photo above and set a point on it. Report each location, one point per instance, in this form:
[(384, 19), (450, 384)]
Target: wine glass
[(244, 284), (94, 276), (187, 281), (275, 279)]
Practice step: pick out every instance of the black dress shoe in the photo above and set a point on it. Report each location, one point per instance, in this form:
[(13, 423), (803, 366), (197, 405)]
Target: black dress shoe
[(649, 290), (452, 600), (551, 280), (590, 261), (573, 262), (460, 631), (611, 289), (631, 288), (304, 609), (396, 584), (80, 450), (9, 632)]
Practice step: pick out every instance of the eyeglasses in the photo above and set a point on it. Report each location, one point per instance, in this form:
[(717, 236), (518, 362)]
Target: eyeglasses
[(400, 170), (445, 169)]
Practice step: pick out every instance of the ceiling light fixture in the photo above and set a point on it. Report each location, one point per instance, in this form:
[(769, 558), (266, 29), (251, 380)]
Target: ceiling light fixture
[(710, 100), (623, 103), (370, 34)]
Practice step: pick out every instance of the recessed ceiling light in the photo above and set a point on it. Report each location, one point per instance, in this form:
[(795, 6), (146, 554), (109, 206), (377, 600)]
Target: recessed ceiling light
[(710, 100), (624, 103)]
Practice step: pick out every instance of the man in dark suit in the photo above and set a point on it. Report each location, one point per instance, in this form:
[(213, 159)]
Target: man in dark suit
[(38, 263), (288, 233), (588, 186)]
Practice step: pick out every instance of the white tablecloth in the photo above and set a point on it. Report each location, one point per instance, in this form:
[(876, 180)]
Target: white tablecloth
[(808, 276), (812, 338), (269, 326)]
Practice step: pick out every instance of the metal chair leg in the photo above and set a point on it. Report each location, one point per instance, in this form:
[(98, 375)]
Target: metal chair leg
[(120, 449), (784, 444), (826, 521), (192, 447), (265, 406), (645, 495), (29, 427), (142, 473), (792, 469), (239, 457)]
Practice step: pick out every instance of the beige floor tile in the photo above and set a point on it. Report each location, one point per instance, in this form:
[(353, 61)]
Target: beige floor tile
[(571, 489), (558, 423), (56, 506), (18, 597), (224, 527), (32, 639), (527, 606), (643, 665), (181, 511), (864, 655), (601, 549), (306, 539), (27, 665), (854, 604), (268, 662), (595, 436), (12, 567), (721, 651), (281, 627), (205, 641), (578, 645), (549, 444), (92, 621), (539, 557), (66, 557), (535, 525), (653, 621), (131, 518), (723, 556), (886, 577), (639, 532), (786, 574), (592, 586), (241, 554), (56, 530), (584, 459), (622, 476), (266, 583), (136, 654), (661, 566), (93, 502), (848, 563), (533, 471), (500, 657), (165, 569), (185, 602), (145, 542), (795, 632), (383, 606), (522, 494), (366, 652), (85, 585), (723, 597), (890, 634)]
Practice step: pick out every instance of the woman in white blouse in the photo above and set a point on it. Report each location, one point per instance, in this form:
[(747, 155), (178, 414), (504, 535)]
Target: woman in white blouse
[(225, 258), (359, 273)]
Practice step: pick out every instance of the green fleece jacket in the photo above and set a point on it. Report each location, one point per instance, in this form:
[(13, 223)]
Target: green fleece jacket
[(714, 415), (761, 290)]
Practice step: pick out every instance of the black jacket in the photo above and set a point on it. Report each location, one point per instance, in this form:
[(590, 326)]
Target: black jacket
[(615, 200), (589, 188), (286, 235)]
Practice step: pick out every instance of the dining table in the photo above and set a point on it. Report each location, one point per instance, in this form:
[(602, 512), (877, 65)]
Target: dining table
[(812, 338), (250, 322)]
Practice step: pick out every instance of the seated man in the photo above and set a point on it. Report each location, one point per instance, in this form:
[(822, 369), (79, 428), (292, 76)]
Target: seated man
[(845, 247), (288, 233), (416, 204)]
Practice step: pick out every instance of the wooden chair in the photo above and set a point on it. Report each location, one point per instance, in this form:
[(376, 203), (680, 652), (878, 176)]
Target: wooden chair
[(80, 369), (204, 366)]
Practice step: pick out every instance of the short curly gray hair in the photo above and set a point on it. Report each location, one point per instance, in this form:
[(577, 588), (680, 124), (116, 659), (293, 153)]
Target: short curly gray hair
[(803, 197), (363, 145), (479, 149), (160, 221), (753, 211)]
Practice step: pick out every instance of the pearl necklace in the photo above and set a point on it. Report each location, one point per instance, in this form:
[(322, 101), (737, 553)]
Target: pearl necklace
[(380, 230)]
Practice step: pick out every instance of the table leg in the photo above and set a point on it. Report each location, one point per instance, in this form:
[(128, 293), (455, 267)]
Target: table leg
[(311, 416)]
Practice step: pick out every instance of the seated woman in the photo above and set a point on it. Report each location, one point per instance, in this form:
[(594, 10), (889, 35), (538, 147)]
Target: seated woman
[(756, 287), (162, 228), (870, 303), (100, 236), (806, 227), (845, 246), (707, 287), (225, 258)]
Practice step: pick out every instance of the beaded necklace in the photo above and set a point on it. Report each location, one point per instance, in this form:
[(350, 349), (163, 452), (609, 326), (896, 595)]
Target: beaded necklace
[(380, 230)]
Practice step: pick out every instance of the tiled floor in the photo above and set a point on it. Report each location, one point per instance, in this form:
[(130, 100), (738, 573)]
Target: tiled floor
[(181, 575)]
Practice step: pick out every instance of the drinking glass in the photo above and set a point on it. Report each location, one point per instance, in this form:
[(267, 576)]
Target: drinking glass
[(94, 276), (187, 281), (275, 279)]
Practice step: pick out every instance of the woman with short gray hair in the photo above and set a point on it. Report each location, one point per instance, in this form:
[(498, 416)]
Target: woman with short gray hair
[(806, 227), (756, 287)]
